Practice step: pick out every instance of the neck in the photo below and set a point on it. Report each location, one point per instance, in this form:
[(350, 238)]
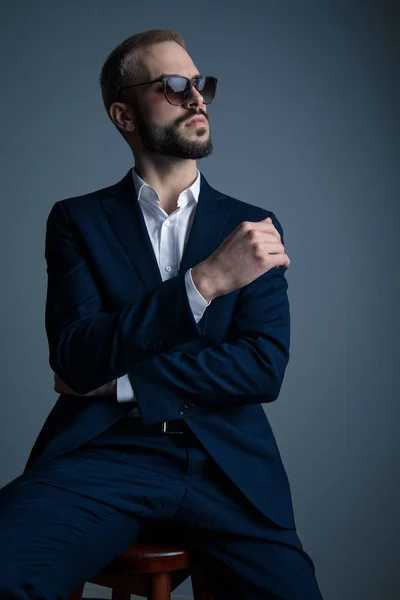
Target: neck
[(168, 179)]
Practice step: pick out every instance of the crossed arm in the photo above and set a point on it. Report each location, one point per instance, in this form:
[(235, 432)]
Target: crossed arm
[(108, 389), (246, 368)]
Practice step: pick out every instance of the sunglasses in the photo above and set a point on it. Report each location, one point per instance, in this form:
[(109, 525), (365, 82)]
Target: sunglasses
[(178, 88)]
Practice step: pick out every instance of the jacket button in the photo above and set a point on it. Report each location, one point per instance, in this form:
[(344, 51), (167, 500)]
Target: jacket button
[(184, 409)]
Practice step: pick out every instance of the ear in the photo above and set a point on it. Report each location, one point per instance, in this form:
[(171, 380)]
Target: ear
[(122, 116)]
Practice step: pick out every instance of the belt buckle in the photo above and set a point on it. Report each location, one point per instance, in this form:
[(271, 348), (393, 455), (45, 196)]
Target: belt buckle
[(164, 429)]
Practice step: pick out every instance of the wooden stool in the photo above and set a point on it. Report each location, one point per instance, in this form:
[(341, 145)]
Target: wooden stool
[(152, 571)]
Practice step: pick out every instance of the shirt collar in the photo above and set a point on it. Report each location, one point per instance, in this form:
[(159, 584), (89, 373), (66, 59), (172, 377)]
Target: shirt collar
[(144, 191)]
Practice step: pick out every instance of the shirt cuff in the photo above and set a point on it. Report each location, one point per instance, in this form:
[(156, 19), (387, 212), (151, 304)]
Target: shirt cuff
[(198, 304), (125, 391)]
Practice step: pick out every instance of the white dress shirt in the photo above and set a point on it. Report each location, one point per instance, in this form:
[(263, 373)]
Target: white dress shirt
[(168, 235)]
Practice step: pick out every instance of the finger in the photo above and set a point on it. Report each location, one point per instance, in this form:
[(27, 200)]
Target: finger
[(267, 225), (271, 247)]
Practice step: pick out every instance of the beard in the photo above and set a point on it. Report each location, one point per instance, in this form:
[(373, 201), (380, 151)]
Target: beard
[(169, 140)]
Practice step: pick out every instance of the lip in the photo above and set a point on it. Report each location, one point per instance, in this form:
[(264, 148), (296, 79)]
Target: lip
[(196, 120)]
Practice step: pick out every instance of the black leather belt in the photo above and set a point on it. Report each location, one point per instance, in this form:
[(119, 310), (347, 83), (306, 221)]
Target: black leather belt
[(175, 427), (178, 426)]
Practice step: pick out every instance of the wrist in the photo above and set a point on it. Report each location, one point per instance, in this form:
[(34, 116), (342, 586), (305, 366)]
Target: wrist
[(204, 282)]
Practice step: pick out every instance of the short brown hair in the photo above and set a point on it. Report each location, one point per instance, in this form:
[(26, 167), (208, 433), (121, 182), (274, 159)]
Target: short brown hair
[(124, 65)]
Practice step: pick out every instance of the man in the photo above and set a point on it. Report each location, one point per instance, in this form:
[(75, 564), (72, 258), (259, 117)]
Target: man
[(168, 325)]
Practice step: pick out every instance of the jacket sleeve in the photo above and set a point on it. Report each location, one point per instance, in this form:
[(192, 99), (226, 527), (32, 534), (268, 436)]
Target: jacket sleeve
[(88, 346), (198, 305), (246, 368)]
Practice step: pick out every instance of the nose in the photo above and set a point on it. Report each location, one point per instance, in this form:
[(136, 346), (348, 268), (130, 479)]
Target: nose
[(195, 97)]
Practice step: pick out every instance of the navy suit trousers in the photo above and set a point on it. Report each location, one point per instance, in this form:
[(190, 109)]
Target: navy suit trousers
[(63, 520)]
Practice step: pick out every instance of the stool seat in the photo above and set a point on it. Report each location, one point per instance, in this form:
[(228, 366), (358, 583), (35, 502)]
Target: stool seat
[(150, 558), (151, 571)]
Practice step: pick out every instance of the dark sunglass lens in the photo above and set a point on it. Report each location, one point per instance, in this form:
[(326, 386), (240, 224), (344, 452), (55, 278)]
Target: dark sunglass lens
[(207, 87), (177, 89)]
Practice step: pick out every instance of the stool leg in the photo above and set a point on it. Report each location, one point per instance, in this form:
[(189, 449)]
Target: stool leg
[(77, 595), (160, 586), (200, 585), (120, 595)]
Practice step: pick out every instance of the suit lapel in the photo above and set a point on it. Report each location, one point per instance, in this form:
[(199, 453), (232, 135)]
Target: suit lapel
[(126, 219)]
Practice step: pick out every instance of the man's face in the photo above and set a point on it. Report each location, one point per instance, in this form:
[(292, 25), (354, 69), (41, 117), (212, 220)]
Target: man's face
[(161, 126)]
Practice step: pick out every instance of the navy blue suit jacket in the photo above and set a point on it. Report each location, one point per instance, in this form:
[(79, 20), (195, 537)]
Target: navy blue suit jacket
[(109, 313)]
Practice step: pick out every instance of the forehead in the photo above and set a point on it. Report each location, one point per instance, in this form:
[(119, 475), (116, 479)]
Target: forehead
[(168, 57)]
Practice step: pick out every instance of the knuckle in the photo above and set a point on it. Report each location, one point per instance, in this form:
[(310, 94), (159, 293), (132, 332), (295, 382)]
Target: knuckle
[(262, 258)]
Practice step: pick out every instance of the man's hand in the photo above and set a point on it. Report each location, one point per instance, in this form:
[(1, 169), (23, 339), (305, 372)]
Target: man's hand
[(251, 250), (108, 389)]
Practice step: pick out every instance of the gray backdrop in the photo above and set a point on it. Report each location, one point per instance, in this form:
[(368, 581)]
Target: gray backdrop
[(305, 123)]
